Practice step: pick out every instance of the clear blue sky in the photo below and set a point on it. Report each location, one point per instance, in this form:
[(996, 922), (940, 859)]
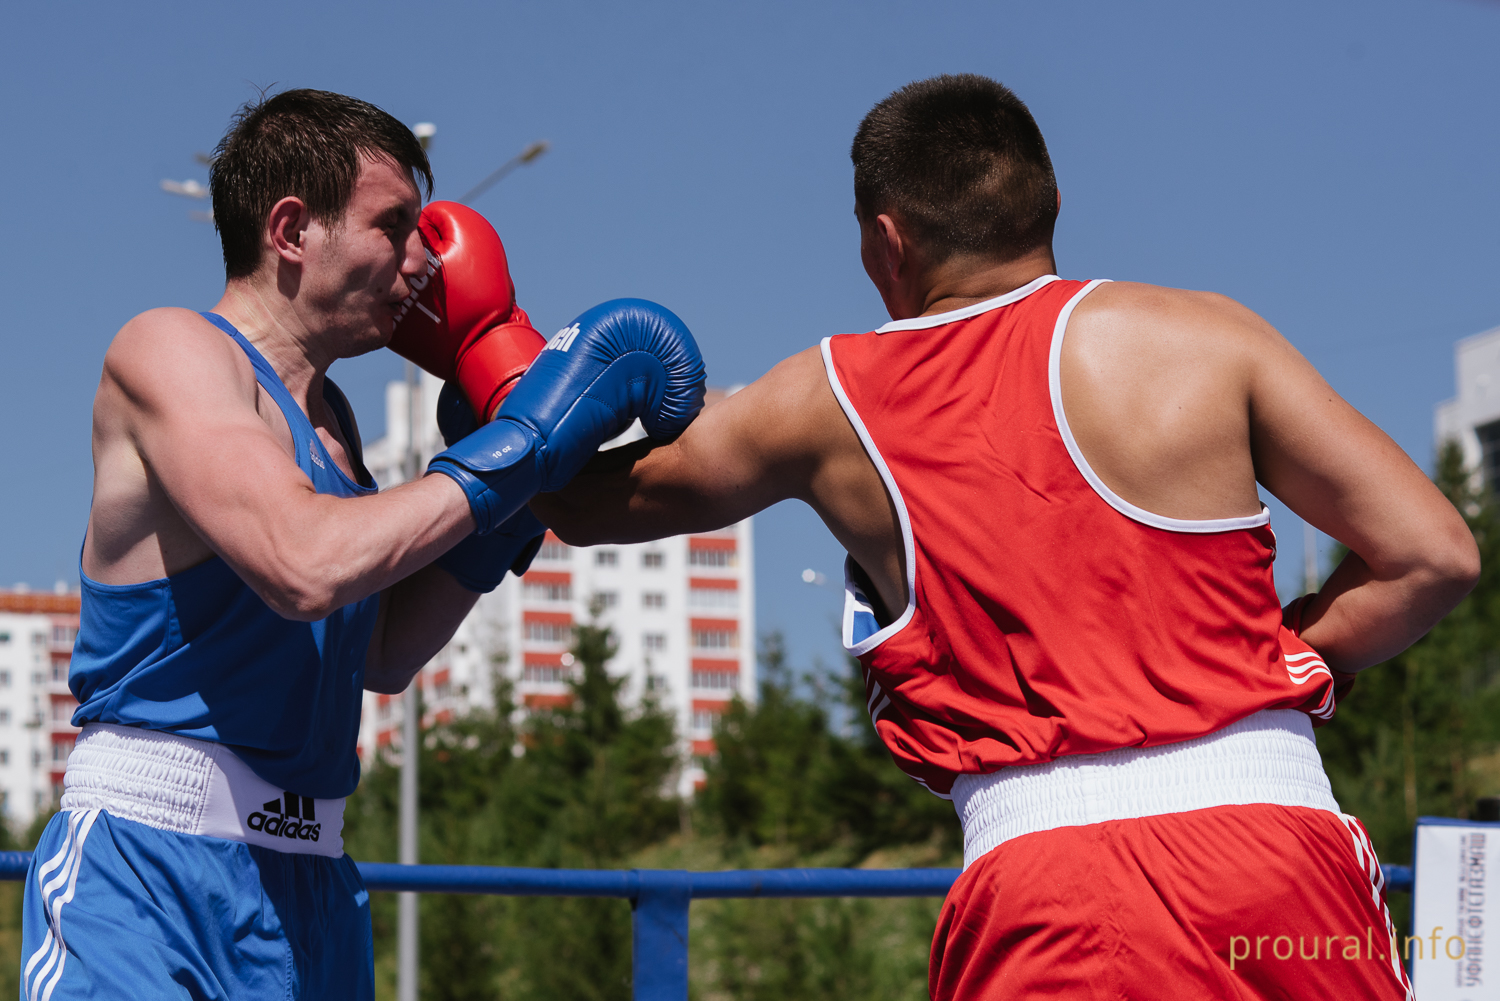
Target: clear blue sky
[(1333, 166)]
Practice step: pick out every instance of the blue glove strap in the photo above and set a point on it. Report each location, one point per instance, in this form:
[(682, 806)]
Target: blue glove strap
[(496, 467)]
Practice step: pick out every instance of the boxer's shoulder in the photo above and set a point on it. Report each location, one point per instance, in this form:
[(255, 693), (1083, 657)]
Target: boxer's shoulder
[(170, 347), (1154, 317)]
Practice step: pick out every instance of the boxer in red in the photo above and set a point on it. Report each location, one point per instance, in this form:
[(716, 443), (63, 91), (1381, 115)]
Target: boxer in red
[(1059, 579)]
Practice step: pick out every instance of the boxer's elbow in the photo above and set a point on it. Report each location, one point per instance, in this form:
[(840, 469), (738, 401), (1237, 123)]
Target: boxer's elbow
[(304, 590), (573, 523), (1453, 565), (300, 604), (1440, 572)]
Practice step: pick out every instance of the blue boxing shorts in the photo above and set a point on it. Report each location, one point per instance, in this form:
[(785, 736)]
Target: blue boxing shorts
[(173, 871)]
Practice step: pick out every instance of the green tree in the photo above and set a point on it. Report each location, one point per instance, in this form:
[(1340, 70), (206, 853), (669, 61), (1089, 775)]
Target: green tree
[(782, 777), (1415, 734), (581, 785), (788, 786)]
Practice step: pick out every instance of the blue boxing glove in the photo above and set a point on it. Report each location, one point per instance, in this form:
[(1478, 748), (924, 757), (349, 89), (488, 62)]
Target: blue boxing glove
[(479, 562), (622, 360)]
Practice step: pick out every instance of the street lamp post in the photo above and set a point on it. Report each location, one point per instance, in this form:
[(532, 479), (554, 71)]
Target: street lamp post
[(411, 730)]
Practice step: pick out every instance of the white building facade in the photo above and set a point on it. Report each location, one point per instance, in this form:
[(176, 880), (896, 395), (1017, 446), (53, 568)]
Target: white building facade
[(37, 629), (682, 611), (1472, 418)]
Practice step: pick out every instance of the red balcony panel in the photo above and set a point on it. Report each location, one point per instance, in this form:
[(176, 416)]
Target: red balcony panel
[(547, 577)]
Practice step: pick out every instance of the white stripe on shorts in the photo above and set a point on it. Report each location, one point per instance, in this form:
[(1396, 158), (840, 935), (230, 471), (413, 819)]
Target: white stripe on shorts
[(53, 952)]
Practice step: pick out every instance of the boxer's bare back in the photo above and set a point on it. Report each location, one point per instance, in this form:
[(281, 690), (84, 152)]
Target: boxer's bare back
[(1181, 401)]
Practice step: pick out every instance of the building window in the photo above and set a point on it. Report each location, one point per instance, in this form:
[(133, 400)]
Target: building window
[(4, 637), (4, 717), (704, 721), (547, 632), (653, 561), (606, 558), (718, 681), (604, 599), (716, 639), (544, 674), (60, 751), (36, 677), (64, 635), (653, 599), (716, 598), (554, 550), (4, 756), (62, 712), (656, 682), (548, 592), (654, 641), (382, 710), (4, 679), (38, 639), (1489, 454), (59, 670), (710, 557), (442, 690)]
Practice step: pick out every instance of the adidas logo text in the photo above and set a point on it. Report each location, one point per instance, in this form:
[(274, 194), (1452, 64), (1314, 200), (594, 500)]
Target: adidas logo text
[(293, 817)]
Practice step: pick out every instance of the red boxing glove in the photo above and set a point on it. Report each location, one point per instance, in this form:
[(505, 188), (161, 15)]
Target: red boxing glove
[(461, 322)]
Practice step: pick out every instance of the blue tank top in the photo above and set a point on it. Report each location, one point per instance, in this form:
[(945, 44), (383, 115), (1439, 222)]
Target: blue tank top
[(200, 654)]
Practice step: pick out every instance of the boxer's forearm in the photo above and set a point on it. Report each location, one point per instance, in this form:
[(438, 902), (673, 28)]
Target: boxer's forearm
[(417, 617), (1361, 618), (317, 553)]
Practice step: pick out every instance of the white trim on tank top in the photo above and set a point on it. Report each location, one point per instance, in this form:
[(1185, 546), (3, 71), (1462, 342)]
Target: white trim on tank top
[(871, 642), (1114, 500), (954, 315)]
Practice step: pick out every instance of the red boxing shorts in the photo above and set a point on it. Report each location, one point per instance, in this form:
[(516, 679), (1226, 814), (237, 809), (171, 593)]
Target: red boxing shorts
[(1232, 902)]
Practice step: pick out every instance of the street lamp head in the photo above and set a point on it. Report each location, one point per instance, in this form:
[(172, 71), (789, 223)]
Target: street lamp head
[(424, 131), (535, 150)]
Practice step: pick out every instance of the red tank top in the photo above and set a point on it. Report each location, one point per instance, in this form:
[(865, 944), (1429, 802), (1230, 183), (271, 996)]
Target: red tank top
[(1046, 616)]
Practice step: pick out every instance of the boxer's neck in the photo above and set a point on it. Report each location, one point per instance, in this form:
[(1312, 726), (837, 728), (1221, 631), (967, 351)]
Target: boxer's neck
[(912, 283), (964, 281), (274, 326)]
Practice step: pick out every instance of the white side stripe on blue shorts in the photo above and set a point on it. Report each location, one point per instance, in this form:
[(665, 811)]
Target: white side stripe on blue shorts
[(52, 954)]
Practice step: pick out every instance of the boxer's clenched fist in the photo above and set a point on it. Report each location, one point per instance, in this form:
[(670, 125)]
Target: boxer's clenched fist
[(621, 360), (461, 322)]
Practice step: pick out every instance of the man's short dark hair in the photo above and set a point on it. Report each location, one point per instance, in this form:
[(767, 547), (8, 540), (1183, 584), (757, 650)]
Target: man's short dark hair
[(302, 143), (960, 161)]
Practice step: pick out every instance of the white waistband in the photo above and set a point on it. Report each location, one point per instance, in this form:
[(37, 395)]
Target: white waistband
[(176, 783), (1269, 757)]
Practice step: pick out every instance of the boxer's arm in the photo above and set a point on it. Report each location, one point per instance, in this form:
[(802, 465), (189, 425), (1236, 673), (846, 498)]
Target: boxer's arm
[(183, 394), (783, 437), (1412, 558), (417, 617)]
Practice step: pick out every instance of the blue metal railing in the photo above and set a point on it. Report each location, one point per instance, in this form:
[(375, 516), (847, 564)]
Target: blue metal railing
[(659, 898)]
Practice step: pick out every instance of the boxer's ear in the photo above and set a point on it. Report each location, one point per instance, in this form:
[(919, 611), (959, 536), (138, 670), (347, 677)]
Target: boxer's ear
[(286, 225)]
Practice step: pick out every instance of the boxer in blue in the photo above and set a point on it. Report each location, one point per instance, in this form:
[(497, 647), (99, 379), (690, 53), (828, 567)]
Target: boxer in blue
[(243, 581)]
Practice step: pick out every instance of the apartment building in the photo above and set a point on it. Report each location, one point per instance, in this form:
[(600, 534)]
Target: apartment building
[(37, 629), (682, 611), (1472, 417)]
